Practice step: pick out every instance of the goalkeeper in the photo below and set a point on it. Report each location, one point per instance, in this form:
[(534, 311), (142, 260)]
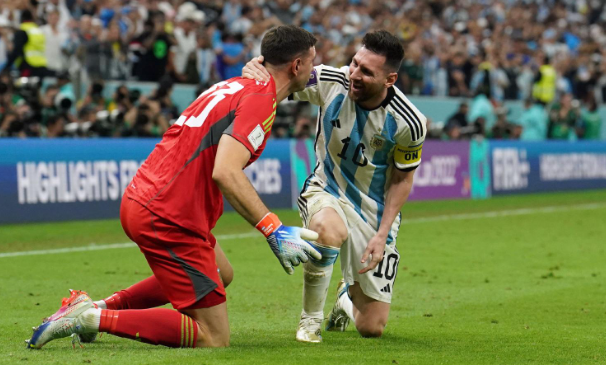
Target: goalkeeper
[(176, 197)]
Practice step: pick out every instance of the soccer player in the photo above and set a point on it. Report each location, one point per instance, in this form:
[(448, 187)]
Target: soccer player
[(368, 145), (176, 197)]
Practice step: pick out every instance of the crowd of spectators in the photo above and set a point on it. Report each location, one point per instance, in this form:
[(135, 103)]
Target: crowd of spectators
[(549, 53)]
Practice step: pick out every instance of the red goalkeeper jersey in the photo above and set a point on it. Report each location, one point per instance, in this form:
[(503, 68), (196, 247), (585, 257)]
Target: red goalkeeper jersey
[(175, 182)]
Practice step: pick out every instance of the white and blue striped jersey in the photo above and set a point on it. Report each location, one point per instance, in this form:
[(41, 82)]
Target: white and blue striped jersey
[(357, 149)]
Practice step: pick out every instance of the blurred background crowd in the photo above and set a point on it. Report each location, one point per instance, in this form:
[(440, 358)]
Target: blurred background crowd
[(57, 58)]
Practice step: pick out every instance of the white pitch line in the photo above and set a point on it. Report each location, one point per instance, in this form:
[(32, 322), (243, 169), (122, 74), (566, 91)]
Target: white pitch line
[(69, 249), (110, 246), (506, 213), (225, 237)]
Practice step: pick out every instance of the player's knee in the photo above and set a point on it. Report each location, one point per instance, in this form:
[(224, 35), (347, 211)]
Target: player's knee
[(370, 327), (331, 235), (370, 330)]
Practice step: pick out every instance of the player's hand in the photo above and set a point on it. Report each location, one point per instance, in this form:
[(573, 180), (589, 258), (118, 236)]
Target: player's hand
[(255, 70), (291, 248), (375, 249), (288, 243)]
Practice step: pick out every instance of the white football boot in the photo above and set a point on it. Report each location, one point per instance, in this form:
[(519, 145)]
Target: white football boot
[(72, 319), (309, 329), (338, 320)]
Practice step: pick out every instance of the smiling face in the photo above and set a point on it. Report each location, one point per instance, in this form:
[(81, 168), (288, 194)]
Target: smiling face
[(369, 78)]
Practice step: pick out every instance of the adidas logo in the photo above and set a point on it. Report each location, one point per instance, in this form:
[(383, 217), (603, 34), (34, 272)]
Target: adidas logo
[(386, 289)]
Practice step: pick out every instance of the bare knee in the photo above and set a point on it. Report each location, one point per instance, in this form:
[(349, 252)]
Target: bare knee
[(370, 330), (330, 234)]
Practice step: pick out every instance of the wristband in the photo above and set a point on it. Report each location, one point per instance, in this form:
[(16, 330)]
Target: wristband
[(268, 224)]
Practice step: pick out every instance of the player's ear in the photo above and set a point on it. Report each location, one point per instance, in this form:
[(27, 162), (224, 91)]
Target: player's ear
[(296, 66), (391, 79)]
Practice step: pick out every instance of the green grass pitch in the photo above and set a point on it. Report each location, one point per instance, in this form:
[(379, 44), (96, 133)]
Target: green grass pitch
[(524, 286)]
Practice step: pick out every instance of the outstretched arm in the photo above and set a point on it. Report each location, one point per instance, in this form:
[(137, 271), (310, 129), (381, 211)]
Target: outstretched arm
[(287, 243), (397, 194)]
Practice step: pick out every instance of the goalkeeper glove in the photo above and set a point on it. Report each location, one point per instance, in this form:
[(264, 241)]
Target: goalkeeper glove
[(288, 243)]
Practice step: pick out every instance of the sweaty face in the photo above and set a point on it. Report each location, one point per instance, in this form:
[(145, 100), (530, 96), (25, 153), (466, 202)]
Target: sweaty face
[(305, 68), (367, 76)]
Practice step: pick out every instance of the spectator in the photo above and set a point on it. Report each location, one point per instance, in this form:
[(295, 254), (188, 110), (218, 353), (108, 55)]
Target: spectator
[(562, 119), (544, 87), (185, 41), (7, 97), (89, 50), (48, 107), (155, 44), (534, 122), (592, 124), (481, 108), (131, 22), (243, 24), (503, 129), (113, 52), (163, 96), (303, 128), (205, 61), (231, 11), (457, 122), (5, 40), (411, 72), (11, 126), (145, 120), (456, 76), (232, 55), (54, 127), (282, 10), (494, 78), (123, 99), (46, 8), (56, 38), (28, 48), (94, 98)]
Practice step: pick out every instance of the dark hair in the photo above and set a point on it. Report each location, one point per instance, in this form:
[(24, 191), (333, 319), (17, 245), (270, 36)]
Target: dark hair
[(27, 16), (284, 43), (385, 44)]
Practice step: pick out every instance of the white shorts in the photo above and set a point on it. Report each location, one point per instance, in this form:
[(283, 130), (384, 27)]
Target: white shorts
[(377, 284)]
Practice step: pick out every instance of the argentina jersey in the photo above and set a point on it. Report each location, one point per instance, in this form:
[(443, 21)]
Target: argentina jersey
[(357, 149)]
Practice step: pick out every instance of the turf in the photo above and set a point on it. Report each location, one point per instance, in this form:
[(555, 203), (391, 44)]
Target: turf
[(515, 289)]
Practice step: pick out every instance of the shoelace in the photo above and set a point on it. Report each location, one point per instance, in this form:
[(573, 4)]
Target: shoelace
[(311, 321)]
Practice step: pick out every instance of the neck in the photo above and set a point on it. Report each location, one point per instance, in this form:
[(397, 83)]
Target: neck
[(283, 83), (374, 102)]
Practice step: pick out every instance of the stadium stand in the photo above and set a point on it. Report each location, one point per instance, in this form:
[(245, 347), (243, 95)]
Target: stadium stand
[(550, 54)]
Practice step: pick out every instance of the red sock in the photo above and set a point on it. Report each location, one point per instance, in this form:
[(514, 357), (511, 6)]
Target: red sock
[(145, 294), (157, 326)]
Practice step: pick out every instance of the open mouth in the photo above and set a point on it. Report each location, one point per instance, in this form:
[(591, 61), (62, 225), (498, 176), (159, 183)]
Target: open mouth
[(357, 87)]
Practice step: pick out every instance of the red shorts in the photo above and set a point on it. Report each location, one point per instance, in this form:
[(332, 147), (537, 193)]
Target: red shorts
[(182, 261)]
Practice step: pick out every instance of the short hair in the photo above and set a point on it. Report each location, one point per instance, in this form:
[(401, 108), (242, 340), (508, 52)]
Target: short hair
[(27, 16), (385, 44), (284, 43)]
